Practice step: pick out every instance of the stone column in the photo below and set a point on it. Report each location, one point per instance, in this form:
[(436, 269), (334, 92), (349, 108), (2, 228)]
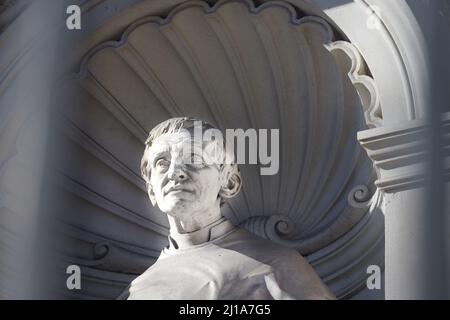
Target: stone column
[(416, 224)]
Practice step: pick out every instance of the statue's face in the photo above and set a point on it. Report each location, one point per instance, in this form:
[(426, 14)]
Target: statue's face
[(181, 181)]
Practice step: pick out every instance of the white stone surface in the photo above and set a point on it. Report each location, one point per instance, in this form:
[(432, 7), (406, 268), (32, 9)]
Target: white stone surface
[(209, 258)]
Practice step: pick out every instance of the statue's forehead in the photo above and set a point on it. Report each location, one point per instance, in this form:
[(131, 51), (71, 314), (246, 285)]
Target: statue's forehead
[(177, 141), (172, 138)]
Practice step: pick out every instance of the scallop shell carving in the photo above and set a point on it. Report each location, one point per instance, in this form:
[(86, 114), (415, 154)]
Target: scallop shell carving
[(236, 65)]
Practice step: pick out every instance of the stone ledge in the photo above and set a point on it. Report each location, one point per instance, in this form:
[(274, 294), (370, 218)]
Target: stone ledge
[(400, 153)]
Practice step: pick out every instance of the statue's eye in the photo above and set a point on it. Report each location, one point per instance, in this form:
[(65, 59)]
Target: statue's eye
[(162, 163)]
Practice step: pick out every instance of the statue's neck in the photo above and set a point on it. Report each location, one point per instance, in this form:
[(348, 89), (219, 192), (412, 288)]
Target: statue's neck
[(194, 221), (214, 229)]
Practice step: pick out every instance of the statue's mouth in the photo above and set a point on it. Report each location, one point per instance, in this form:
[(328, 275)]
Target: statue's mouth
[(177, 189)]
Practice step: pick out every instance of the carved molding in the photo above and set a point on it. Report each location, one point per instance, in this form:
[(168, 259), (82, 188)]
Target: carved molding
[(364, 84), (401, 153), (109, 256)]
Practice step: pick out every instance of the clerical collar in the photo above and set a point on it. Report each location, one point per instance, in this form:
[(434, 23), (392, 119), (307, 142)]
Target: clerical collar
[(209, 233)]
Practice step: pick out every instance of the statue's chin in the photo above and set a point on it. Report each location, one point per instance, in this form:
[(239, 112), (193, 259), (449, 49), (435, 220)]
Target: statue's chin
[(176, 208)]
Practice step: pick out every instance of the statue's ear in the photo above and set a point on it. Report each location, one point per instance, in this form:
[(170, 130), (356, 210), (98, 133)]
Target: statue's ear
[(150, 193), (231, 182)]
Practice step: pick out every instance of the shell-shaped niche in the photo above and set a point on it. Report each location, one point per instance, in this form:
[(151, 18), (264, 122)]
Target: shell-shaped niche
[(236, 65)]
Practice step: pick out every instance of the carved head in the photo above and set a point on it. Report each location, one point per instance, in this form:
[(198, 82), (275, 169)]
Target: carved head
[(186, 172)]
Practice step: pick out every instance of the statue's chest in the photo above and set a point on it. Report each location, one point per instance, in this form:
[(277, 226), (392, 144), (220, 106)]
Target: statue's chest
[(212, 273)]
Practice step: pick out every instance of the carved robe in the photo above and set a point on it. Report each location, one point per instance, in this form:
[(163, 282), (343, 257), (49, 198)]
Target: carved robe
[(226, 262)]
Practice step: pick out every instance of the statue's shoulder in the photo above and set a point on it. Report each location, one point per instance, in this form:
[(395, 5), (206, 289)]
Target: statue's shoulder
[(249, 243)]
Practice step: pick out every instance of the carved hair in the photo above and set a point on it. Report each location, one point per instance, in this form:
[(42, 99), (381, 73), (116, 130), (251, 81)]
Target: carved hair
[(232, 178)]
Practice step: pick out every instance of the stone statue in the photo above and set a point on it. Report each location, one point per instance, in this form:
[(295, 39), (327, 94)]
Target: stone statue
[(208, 257)]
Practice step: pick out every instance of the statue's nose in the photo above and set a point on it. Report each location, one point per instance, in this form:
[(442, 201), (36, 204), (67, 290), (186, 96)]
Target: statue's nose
[(176, 172)]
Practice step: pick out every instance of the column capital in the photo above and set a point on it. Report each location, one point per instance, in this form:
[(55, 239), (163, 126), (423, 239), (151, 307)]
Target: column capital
[(400, 152)]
